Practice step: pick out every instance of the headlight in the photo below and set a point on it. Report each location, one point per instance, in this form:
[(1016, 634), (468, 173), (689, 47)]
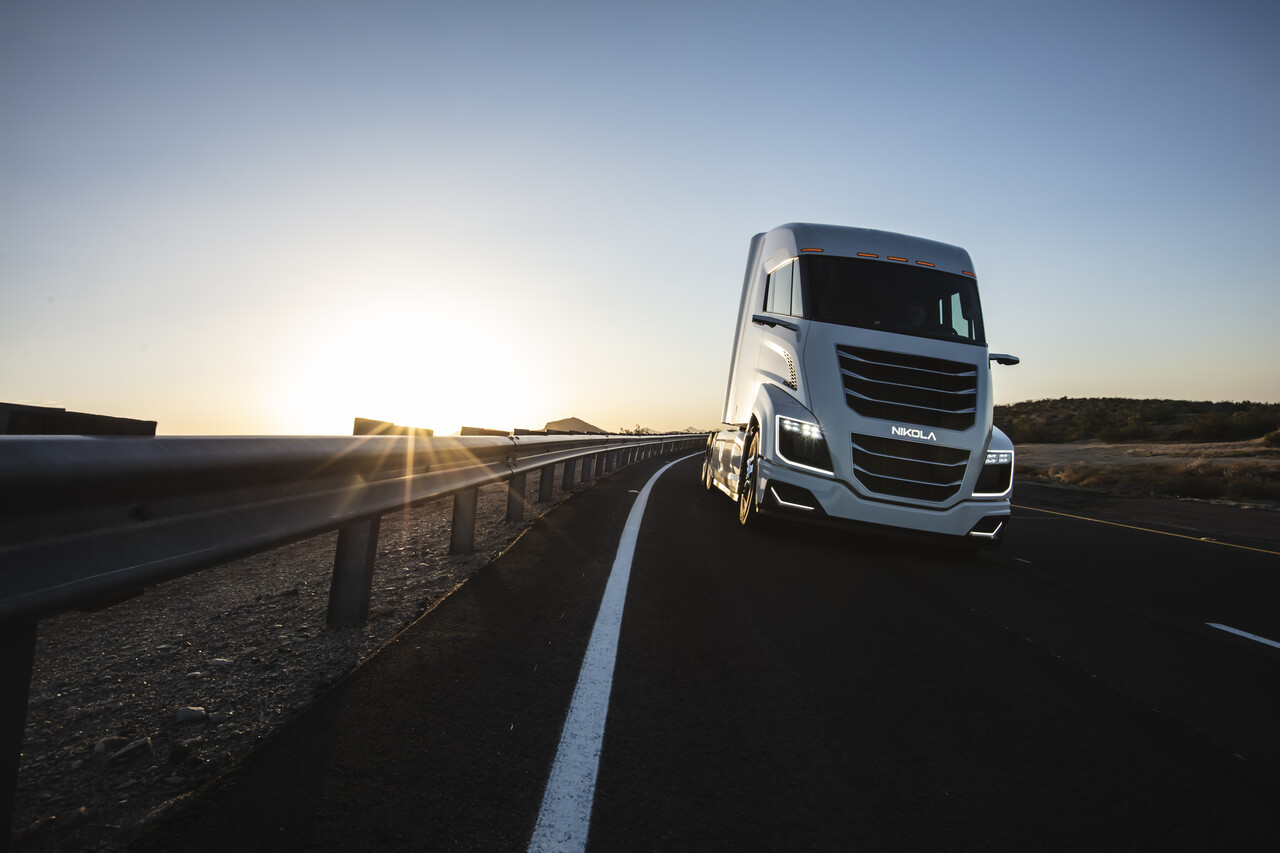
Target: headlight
[(999, 457), (801, 443)]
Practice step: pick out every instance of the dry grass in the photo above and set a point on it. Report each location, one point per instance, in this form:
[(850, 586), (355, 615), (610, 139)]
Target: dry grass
[(1232, 471)]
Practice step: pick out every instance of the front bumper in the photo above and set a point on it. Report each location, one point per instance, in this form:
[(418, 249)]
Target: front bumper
[(795, 493)]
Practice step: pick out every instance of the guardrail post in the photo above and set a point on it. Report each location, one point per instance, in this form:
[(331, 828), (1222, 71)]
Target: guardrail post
[(462, 538), (18, 650), (18, 639), (353, 573), (566, 476), (608, 461), (546, 483), (587, 464), (515, 497)]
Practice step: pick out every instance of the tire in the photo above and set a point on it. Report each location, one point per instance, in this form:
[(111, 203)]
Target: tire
[(748, 482), (706, 474)]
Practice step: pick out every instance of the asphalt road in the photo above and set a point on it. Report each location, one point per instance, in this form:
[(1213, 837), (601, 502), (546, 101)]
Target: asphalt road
[(803, 689)]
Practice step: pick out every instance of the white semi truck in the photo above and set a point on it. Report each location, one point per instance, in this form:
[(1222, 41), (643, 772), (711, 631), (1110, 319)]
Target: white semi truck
[(860, 388)]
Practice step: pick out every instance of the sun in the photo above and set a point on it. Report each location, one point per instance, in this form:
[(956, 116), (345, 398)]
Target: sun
[(433, 370)]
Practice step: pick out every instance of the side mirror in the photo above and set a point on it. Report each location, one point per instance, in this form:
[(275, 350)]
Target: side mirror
[(1001, 358)]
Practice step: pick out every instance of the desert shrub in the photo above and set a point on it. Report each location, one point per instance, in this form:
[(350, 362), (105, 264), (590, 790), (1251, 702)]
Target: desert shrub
[(1133, 429), (1251, 481), (1084, 475), (1116, 419), (1202, 479), (1273, 438), (1199, 479), (1250, 420), (1208, 480), (1029, 430)]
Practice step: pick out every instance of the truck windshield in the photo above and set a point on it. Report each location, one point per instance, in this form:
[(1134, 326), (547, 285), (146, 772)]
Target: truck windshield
[(891, 297)]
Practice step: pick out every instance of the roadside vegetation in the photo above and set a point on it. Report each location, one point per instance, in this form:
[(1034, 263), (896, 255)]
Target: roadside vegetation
[(1201, 479), (1160, 448), (1114, 419)]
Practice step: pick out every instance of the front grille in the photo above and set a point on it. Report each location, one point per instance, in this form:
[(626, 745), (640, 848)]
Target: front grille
[(908, 469), (910, 389)]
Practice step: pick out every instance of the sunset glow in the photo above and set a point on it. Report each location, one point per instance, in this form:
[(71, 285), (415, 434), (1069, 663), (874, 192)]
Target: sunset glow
[(275, 218)]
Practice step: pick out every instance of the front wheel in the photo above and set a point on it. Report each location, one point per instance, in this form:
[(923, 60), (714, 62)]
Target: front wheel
[(748, 482)]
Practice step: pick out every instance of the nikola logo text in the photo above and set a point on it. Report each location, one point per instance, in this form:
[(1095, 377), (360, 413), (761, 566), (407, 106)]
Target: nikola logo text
[(912, 432)]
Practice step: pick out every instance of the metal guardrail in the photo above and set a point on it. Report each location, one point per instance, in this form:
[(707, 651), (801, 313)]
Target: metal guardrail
[(87, 520), (84, 519)]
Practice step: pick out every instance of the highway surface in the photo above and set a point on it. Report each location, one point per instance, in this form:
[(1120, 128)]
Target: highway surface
[(796, 688)]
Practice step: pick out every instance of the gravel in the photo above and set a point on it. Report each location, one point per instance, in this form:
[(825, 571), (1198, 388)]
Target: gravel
[(136, 706)]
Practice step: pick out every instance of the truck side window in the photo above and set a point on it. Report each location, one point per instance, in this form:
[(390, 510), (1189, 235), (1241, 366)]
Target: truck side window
[(797, 304), (778, 290), (962, 325)]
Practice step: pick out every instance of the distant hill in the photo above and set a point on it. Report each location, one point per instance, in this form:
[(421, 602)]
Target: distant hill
[(1117, 419), (572, 425), (644, 430)]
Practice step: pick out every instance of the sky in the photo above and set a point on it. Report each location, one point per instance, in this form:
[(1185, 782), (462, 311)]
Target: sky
[(269, 218)]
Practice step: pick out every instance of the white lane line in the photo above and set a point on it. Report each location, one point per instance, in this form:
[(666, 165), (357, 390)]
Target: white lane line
[(1244, 634), (565, 815)]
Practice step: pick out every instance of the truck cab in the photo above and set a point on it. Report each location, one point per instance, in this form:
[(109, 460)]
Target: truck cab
[(859, 388)]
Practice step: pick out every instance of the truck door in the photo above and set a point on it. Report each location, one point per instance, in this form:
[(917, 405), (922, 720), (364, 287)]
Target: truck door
[(780, 322)]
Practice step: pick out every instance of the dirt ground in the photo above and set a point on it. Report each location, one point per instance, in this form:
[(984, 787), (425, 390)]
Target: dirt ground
[(1121, 498), (134, 707), (1100, 453)]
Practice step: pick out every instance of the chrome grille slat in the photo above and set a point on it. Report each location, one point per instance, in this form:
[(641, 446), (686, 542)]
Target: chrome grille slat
[(859, 469), (970, 391), (961, 465), (904, 367), (908, 469), (919, 390), (912, 405)]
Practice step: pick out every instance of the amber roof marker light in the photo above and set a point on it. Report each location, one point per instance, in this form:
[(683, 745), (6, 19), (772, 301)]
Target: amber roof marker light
[(926, 264), (811, 250), (892, 258), (867, 255)]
